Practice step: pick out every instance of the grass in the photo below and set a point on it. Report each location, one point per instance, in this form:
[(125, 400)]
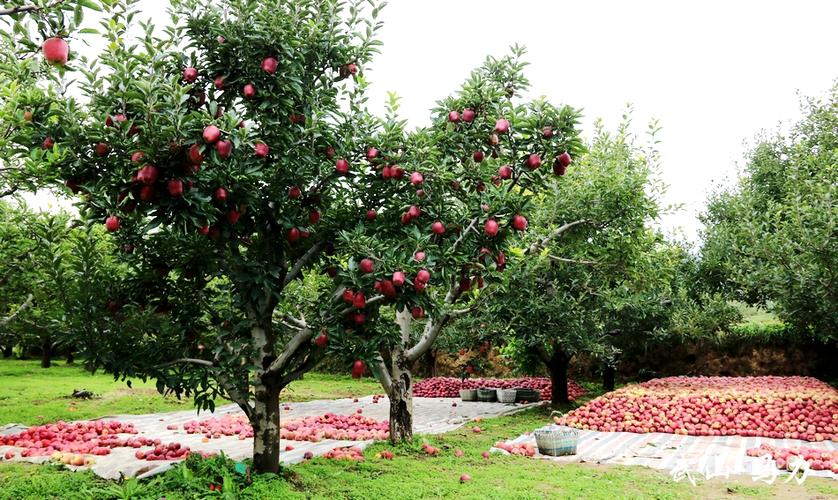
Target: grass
[(31, 395), (756, 315), (411, 474)]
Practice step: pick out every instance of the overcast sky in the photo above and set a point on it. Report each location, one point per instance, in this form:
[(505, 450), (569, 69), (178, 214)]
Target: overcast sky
[(714, 73)]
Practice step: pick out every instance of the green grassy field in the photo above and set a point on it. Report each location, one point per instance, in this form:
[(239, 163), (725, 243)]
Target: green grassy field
[(30, 394)]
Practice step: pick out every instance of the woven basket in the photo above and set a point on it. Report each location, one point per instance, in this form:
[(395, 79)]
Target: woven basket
[(507, 395), (528, 395), (468, 394), (487, 395), (556, 440)]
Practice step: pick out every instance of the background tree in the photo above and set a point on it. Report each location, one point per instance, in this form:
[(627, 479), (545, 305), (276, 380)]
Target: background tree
[(770, 240), (553, 301)]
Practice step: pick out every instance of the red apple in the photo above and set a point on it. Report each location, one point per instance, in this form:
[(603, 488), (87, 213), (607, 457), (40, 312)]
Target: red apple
[(101, 149), (293, 234), (342, 166), (366, 266), (358, 369), (359, 301), (211, 134), (478, 156), (175, 187), (112, 223), (56, 51), (468, 115), (423, 276), (505, 172), (194, 155), (190, 75), (313, 217), (502, 126), (269, 65), (438, 227), (233, 216), (219, 82), (519, 222), (372, 153), (137, 157), (453, 117), (321, 340), (416, 178), (224, 148), (564, 159), (417, 312), (261, 150), (249, 91), (398, 278), (371, 214), (147, 175), (534, 161), (547, 132), (414, 211), (491, 228), (147, 193), (353, 68), (294, 192), (220, 194), (48, 143), (419, 256)]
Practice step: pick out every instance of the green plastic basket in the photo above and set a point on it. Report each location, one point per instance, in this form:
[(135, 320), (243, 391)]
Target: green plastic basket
[(556, 440), (487, 395)]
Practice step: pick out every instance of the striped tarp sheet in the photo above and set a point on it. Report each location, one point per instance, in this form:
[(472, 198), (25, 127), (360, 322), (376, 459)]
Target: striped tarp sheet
[(698, 454)]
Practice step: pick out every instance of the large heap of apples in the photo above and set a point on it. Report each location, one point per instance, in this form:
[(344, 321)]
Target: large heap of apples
[(329, 426), (818, 459), (773, 407), (449, 387)]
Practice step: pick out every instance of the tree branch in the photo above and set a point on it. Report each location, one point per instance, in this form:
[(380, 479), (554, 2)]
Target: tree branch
[(291, 347), (572, 261), (543, 354), (302, 261), (464, 233), (306, 366), (383, 375), (194, 361), (24, 306), (12, 190), (432, 328), (21, 9), (538, 245)]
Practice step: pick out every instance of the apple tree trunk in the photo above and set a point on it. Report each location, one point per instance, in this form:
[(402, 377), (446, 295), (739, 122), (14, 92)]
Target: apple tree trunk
[(401, 401), (265, 423), (558, 365), (608, 375), (46, 353), (8, 351)]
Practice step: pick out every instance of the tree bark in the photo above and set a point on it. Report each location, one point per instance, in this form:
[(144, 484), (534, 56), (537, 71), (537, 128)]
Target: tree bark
[(608, 374), (70, 357), (401, 400), (558, 376), (8, 351), (265, 423), (46, 353)]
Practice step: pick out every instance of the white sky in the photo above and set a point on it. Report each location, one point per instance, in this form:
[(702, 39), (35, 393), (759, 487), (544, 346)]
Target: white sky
[(714, 73)]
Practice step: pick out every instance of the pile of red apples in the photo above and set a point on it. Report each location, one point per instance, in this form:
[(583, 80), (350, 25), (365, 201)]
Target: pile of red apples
[(449, 387), (817, 459), (313, 429), (774, 407)]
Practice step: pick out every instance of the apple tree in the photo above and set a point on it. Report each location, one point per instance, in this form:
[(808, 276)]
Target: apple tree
[(459, 191), (587, 234), (221, 153), (770, 239)]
